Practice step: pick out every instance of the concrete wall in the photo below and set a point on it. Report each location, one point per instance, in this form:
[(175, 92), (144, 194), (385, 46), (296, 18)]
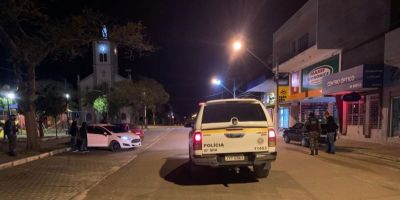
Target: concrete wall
[(392, 48), (302, 22), (343, 24), (368, 53)]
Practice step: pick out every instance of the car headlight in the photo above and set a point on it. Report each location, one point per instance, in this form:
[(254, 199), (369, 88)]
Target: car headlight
[(124, 137)]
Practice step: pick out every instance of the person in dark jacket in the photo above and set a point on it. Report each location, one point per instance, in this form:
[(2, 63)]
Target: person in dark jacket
[(73, 131), (331, 128), (83, 137), (314, 131), (11, 129)]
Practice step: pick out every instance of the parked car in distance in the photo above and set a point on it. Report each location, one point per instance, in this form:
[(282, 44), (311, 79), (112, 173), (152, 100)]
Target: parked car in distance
[(111, 136), (299, 133), (135, 129)]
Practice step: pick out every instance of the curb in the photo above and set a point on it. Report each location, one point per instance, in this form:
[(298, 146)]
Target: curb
[(33, 158)]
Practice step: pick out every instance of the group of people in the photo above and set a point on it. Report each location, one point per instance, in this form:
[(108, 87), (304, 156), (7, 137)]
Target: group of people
[(78, 137), (314, 130)]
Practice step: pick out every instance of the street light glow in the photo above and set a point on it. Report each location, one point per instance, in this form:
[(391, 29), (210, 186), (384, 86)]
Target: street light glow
[(67, 96), (237, 45), (216, 81), (11, 95)]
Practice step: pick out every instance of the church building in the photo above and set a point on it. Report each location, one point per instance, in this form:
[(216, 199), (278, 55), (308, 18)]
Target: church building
[(105, 71)]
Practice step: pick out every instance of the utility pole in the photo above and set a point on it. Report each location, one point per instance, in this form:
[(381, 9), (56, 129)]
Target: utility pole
[(234, 88), (277, 96)]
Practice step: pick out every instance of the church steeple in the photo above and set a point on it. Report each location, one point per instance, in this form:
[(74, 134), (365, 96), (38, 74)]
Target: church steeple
[(105, 60)]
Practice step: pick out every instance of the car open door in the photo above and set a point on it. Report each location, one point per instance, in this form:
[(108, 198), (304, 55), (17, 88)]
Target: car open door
[(97, 137)]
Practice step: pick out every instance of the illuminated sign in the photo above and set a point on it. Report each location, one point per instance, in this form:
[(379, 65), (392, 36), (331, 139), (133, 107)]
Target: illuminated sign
[(312, 76), (354, 79), (283, 93)]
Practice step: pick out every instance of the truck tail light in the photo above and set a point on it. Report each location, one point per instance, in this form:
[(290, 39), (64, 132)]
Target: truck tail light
[(271, 138), (197, 141)]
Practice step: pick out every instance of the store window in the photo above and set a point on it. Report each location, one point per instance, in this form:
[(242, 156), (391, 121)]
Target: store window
[(283, 117), (355, 113), (395, 116)]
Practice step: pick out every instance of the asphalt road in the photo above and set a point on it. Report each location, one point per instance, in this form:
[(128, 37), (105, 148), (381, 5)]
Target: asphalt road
[(161, 172)]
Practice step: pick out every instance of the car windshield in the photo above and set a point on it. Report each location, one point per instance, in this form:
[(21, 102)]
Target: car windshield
[(215, 113), (116, 129)]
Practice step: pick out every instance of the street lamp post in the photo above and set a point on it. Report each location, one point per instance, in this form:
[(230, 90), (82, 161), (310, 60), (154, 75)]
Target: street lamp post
[(237, 46), (218, 82), (67, 96)]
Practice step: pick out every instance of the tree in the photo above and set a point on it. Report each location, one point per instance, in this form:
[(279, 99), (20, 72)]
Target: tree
[(31, 34), (151, 95), (136, 95), (122, 94), (101, 106), (50, 100)]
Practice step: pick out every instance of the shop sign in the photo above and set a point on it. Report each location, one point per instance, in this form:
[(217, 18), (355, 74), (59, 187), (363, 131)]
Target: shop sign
[(312, 76), (283, 93), (269, 99), (353, 79), (295, 83)]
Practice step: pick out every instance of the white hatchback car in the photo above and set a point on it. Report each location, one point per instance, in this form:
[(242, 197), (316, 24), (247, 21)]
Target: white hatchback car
[(111, 136)]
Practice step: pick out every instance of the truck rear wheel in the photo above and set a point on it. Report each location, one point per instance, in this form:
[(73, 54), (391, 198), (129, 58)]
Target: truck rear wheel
[(262, 171)]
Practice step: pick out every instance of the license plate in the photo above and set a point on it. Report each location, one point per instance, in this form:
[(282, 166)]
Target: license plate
[(234, 158)]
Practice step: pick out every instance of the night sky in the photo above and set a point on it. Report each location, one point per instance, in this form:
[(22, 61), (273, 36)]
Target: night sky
[(192, 38)]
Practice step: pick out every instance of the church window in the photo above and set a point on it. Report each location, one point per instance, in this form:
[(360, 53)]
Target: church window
[(103, 57)]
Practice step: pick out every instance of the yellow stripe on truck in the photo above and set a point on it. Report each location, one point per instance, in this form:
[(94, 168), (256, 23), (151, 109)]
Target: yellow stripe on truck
[(244, 130)]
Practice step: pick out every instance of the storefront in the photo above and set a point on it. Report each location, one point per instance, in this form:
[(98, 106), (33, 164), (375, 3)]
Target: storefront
[(269, 99), (306, 91), (359, 118), (395, 117), (391, 101)]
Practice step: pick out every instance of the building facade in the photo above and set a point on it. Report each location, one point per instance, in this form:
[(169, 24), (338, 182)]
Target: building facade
[(105, 72), (333, 48)]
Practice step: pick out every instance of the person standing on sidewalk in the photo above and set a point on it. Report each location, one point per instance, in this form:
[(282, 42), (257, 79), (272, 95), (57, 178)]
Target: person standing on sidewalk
[(73, 131), (314, 130), (83, 136), (11, 130), (331, 128)]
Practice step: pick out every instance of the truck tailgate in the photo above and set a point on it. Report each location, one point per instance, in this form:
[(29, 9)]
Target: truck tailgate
[(221, 141)]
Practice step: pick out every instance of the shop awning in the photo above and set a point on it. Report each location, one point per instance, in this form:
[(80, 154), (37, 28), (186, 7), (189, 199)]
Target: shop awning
[(304, 95), (264, 86), (357, 79)]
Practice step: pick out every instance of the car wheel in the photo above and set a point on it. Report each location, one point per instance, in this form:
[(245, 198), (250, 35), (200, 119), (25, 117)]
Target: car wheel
[(286, 139), (115, 146), (304, 142), (261, 171)]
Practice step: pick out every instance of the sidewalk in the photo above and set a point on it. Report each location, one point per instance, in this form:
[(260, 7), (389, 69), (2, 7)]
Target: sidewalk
[(390, 152), (48, 143)]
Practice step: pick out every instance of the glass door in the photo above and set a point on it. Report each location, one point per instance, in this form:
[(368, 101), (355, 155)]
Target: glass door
[(283, 117)]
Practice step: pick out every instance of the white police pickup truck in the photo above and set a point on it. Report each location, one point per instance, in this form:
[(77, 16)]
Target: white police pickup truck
[(233, 133)]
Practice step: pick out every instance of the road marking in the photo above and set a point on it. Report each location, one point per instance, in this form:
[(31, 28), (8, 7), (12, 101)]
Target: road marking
[(82, 195)]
